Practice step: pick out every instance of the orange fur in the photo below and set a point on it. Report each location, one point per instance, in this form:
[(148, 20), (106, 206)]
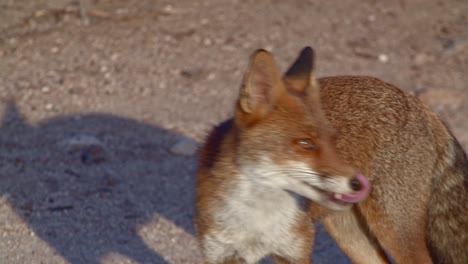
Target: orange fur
[(289, 140)]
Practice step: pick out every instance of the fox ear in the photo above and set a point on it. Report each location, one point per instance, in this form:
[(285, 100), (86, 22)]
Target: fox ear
[(300, 78), (261, 87)]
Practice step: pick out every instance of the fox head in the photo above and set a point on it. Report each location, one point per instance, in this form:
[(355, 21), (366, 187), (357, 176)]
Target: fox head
[(284, 139)]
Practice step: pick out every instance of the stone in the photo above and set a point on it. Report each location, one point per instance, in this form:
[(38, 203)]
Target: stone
[(185, 147)]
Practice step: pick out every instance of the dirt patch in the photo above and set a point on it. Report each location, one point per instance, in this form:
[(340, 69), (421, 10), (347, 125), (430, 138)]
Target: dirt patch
[(142, 76)]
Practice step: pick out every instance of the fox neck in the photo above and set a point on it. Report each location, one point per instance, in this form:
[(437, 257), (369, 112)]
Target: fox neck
[(256, 194), (253, 187), (252, 181), (252, 198)]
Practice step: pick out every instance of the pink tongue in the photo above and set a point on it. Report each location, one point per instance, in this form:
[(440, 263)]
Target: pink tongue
[(358, 196)]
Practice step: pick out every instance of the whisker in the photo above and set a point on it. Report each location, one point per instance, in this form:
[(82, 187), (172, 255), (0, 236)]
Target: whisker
[(298, 170), (306, 177)]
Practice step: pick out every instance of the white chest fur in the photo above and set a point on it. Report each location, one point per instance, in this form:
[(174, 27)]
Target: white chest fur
[(256, 221)]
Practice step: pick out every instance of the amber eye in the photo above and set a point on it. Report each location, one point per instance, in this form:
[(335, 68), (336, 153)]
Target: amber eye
[(307, 143)]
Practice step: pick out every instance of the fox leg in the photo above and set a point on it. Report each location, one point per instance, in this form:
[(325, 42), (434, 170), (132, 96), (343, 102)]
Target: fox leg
[(353, 239), (406, 244), (234, 260), (413, 252)]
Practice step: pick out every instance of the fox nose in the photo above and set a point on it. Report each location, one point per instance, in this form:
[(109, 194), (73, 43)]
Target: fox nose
[(355, 184)]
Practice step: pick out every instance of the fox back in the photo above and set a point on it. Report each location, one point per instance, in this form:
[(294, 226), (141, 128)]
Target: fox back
[(417, 169)]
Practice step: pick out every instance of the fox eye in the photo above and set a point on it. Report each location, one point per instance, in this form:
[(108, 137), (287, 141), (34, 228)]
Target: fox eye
[(307, 143)]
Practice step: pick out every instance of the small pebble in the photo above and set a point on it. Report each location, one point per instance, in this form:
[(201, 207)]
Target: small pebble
[(114, 56), (81, 140), (49, 106), (93, 155), (90, 149), (421, 59), (207, 42), (228, 48), (40, 13), (269, 48), (169, 8), (211, 76), (383, 58), (185, 147)]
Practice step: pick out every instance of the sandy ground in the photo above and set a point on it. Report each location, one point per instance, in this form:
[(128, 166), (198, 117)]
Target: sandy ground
[(94, 105)]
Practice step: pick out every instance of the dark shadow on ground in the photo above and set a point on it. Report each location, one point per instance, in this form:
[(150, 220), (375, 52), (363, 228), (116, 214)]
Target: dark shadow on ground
[(85, 203)]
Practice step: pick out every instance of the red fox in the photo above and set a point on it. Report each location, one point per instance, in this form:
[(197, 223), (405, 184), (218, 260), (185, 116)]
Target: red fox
[(296, 151)]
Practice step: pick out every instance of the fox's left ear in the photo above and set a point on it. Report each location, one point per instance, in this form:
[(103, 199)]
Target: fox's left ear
[(300, 78), (260, 90)]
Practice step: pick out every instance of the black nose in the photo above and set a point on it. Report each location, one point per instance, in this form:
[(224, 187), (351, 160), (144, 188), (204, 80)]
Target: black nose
[(355, 184)]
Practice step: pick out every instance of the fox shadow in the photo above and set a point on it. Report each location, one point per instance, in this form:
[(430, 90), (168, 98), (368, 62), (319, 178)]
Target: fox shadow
[(86, 184)]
